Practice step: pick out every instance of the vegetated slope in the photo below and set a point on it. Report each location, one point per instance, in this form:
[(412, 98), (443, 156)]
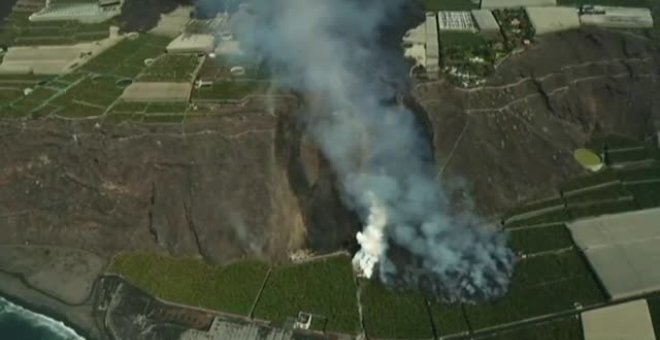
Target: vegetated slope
[(513, 139)]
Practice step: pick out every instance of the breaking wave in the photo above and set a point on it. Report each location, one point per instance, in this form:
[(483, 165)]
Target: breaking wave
[(17, 322)]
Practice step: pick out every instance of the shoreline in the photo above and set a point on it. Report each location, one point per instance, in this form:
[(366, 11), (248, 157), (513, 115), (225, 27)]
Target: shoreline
[(39, 302)]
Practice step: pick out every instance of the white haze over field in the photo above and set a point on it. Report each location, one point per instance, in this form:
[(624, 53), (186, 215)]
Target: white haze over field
[(331, 50)]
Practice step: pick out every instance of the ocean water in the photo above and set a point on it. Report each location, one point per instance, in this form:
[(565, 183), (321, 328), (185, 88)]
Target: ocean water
[(18, 323)]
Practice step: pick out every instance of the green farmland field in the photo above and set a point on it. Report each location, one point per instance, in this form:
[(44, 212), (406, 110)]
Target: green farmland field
[(450, 5), (323, 287), (541, 285), (536, 240), (126, 59), (235, 90), (232, 288), (608, 192), (171, 67), (396, 315)]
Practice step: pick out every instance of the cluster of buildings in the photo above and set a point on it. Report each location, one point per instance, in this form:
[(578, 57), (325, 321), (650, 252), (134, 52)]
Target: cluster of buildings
[(215, 36), (85, 12), (544, 15)]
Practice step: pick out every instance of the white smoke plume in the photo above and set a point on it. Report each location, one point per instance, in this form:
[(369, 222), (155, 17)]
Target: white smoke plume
[(335, 52)]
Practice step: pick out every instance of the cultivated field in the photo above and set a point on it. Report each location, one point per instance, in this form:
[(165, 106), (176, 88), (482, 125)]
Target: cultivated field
[(232, 288), (19, 31), (323, 287), (450, 5)]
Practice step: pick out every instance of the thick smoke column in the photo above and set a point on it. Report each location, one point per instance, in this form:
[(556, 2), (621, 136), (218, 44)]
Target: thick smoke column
[(334, 51)]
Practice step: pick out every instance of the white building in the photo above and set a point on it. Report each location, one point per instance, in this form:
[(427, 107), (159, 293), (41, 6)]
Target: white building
[(486, 23), (616, 17), (623, 249), (432, 44), (630, 320), (456, 21), (192, 43), (553, 19), (495, 4), (84, 12), (421, 44)]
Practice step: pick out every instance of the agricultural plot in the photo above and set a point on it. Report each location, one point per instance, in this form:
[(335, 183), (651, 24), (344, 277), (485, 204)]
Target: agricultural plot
[(564, 329), (448, 319), (542, 285), (127, 59), (18, 30), (608, 192), (516, 27), (647, 195), (235, 90), (398, 315), (232, 288), (323, 287), (171, 68), (602, 177), (628, 156), (89, 97), (33, 101), (219, 69), (551, 216), (540, 239), (602, 208), (654, 309), (13, 102), (534, 206), (623, 3), (450, 5)]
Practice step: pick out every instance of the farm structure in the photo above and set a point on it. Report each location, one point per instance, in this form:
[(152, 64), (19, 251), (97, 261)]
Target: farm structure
[(486, 24), (91, 12), (616, 17), (421, 44), (630, 320), (157, 92), (553, 19), (623, 249), (456, 21), (192, 43), (53, 60)]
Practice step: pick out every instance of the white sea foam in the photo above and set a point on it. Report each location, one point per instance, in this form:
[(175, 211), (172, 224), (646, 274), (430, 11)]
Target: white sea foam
[(55, 327)]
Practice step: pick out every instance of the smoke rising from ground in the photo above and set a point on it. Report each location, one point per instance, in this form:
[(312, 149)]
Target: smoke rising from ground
[(334, 52)]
